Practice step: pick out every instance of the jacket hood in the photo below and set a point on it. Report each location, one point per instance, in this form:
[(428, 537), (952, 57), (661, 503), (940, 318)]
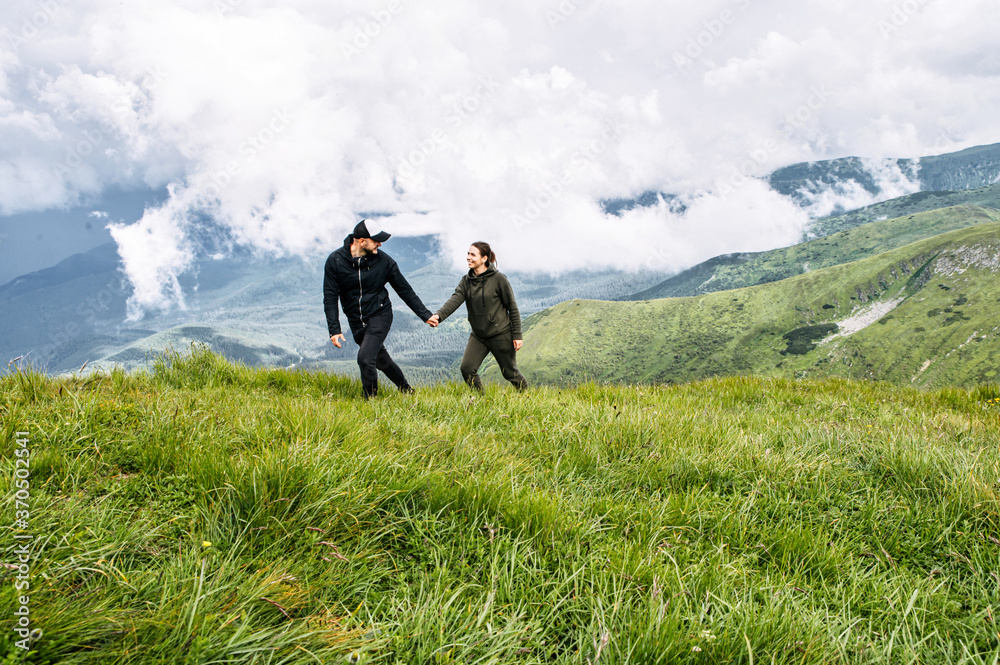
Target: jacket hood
[(490, 270)]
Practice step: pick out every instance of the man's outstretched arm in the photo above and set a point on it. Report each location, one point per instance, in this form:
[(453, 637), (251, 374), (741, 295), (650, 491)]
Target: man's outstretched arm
[(406, 292)]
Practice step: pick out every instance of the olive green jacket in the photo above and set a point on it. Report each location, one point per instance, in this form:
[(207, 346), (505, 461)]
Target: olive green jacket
[(489, 301)]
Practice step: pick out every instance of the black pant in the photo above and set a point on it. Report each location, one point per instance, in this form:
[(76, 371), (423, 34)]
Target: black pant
[(372, 355), (502, 348)]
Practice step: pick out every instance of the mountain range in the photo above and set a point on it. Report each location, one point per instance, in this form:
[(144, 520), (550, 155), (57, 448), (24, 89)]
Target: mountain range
[(808, 182), (923, 313), (915, 216), (268, 311)]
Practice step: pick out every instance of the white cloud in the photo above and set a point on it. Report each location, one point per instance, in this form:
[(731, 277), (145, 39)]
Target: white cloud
[(888, 178), (507, 122)]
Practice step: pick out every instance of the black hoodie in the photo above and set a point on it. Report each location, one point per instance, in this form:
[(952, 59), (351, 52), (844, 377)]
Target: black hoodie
[(359, 284), (489, 301)]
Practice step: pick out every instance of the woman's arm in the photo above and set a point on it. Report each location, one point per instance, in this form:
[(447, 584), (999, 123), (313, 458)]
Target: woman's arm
[(456, 299)]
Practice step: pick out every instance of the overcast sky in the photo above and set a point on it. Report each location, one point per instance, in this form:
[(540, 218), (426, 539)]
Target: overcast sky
[(272, 124)]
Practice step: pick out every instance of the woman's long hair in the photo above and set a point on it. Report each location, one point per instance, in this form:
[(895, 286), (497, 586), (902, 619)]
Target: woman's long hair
[(484, 250)]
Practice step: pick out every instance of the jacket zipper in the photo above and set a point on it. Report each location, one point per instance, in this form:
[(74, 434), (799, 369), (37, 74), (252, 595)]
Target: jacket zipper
[(483, 295), (361, 293)]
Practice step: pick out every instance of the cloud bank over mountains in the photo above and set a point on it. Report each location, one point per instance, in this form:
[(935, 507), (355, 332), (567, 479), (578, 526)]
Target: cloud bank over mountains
[(273, 124)]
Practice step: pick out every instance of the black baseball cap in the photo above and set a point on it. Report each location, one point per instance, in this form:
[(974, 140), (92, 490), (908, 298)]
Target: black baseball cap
[(361, 231)]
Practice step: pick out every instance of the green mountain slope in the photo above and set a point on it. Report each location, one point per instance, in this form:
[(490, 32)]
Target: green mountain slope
[(733, 271), (988, 196), (923, 314)]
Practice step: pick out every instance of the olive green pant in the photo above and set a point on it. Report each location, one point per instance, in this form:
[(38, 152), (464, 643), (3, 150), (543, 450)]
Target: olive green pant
[(502, 348)]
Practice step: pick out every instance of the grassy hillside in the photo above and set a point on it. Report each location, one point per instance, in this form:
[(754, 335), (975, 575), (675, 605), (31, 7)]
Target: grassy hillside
[(944, 330), (211, 513), (734, 271)]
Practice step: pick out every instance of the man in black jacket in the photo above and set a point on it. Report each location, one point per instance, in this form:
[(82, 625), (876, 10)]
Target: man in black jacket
[(356, 274)]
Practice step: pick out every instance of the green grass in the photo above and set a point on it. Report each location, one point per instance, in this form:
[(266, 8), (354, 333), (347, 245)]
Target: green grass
[(944, 331), (732, 520)]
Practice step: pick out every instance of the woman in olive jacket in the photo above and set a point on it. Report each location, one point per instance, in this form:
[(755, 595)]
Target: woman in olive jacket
[(493, 315)]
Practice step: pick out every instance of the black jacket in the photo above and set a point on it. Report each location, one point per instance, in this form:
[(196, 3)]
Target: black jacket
[(359, 284), (489, 301)]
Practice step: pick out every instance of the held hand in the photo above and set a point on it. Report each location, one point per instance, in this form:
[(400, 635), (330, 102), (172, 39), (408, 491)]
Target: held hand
[(434, 321), (337, 339), (518, 343)]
